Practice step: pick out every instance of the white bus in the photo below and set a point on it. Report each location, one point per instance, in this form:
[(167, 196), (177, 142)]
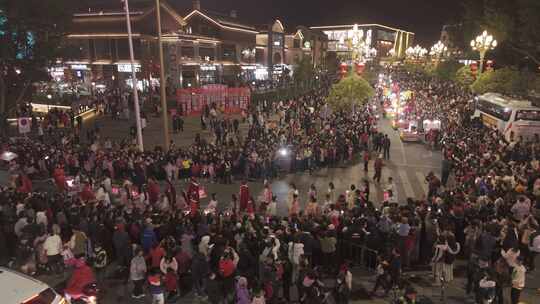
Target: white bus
[(511, 117)]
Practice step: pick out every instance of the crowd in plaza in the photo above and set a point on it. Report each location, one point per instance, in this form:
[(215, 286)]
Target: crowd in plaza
[(113, 203)]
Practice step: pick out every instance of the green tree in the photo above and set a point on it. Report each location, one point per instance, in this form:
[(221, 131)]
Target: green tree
[(31, 39), (348, 92), (464, 76), (446, 70), (303, 72), (508, 81), (514, 24)]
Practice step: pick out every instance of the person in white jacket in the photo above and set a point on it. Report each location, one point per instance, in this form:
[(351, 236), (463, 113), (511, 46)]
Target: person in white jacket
[(53, 249), (518, 280), (296, 250), (168, 262), (511, 256)]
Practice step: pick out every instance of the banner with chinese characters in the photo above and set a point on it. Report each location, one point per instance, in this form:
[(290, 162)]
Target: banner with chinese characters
[(227, 100)]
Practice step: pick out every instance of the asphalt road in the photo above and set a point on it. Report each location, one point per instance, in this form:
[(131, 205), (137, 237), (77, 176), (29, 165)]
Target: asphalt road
[(408, 165)]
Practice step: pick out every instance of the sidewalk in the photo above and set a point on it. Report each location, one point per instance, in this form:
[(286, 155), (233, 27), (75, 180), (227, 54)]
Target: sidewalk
[(153, 133)]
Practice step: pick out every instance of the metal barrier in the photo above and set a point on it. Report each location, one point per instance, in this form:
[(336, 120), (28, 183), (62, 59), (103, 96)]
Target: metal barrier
[(360, 255)]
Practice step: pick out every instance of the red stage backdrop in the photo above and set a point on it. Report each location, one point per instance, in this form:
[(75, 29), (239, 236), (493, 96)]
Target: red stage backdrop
[(229, 100)]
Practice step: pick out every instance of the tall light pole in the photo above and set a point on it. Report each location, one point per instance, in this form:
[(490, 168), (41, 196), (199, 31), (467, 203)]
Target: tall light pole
[(416, 53), (438, 50), (482, 44), (134, 80), (162, 82)]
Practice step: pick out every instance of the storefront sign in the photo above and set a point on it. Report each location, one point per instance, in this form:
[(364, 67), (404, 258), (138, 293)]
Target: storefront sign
[(208, 67), (79, 67), (126, 68)]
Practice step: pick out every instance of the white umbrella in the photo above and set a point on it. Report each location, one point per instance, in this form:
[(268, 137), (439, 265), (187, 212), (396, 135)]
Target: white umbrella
[(8, 156)]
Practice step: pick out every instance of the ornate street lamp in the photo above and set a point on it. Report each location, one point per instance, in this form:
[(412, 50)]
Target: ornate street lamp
[(482, 44), (438, 50), (417, 52)]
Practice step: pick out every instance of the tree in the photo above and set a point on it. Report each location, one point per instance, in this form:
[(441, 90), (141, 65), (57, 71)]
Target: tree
[(514, 24), (446, 70), (507, 81), (31, 39), (304, 72), (350, 91), (464, 76)]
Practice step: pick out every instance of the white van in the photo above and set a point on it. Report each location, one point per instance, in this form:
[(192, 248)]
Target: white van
[(18, 288)]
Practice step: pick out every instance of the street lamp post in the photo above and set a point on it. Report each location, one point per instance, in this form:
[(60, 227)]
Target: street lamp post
[(482, 44), (438, 50), (134, 80), (417, 52), (162, 81)]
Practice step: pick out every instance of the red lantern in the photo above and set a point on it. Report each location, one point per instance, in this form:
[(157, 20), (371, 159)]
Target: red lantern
[(474, 69), (489, 65), (360, 68), (343, 69)]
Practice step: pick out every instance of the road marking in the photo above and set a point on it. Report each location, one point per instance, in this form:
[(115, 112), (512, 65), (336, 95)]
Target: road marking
[(404, 178), (422, 181), (403, 152), (416, 166), (428, 155)]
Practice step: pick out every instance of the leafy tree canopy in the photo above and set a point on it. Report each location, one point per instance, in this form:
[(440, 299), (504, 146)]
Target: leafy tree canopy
[(31, 38), (446, 70), (303, 70), (514, 24), (350, 91), (507, 81), (464, 76)]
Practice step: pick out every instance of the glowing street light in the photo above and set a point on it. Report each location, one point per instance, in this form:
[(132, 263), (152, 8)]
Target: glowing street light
[(438, 50), (417, 52), (482, 44)]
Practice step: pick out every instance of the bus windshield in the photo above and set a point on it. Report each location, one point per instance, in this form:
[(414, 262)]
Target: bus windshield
[(492, 109), (531, 115)]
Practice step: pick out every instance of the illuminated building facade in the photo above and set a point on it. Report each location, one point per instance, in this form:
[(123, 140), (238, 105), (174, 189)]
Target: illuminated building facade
[(200, 47), (378, 40)]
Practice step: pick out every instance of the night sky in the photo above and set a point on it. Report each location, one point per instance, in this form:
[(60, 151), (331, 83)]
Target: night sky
[(423, 17)]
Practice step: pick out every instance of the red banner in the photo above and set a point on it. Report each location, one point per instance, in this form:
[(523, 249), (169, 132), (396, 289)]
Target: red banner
[(228, 100)]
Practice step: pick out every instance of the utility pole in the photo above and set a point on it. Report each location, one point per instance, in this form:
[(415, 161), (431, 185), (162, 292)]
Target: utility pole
[(162, 81), (134, 80)]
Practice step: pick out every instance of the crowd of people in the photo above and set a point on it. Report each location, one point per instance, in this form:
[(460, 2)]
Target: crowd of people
[(113, 203)]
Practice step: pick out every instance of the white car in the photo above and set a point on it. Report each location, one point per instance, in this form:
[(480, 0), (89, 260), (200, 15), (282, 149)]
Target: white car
[(18, 288)]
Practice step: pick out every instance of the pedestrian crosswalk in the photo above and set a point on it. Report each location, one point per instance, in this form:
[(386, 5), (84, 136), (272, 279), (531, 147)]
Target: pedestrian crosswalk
[(410, 182), (403, 177), (422, 181)]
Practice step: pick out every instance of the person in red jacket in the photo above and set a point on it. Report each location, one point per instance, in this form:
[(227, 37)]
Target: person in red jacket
[(193, 190), (82, 276), (227, 268), (87, 194), (25, 184), (244, 196), (153, 191)]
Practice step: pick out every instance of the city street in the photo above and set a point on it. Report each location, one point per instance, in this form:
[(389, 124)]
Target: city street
[(297, 94), (408, 165)]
